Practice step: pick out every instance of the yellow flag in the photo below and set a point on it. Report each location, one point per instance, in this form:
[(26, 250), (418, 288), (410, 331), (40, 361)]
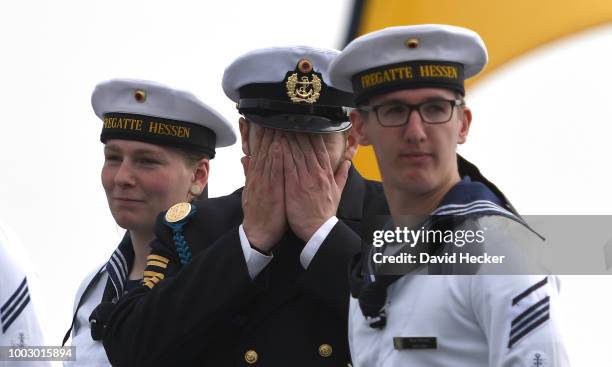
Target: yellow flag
[(508, 28)]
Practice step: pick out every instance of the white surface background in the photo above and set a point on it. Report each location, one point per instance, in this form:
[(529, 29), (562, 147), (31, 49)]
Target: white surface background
[(541, 129)]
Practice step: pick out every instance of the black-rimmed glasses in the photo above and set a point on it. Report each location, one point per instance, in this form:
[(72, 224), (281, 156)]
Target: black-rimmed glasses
[(394, 114)]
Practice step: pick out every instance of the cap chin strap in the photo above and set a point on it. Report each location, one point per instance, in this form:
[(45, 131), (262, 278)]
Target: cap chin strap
[(262, 106)]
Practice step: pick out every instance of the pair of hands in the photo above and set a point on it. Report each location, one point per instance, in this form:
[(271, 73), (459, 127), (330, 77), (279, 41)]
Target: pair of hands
[(290, 182)]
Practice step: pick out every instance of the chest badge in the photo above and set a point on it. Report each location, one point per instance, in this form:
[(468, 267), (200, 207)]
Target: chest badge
[(178, 212), (537, 359)]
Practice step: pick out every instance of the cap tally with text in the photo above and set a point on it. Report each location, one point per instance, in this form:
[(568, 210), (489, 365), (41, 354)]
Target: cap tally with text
[(419, 56), (154, 113), (288, 88)]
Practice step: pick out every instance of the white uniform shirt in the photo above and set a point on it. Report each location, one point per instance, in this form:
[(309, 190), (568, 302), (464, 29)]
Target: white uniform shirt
[(470, 318), (19, 323), (475, 320), (89, 352)]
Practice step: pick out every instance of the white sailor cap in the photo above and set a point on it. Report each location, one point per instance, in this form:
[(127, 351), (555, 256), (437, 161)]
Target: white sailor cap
[(154, 113), (428, 55), (288, 88)]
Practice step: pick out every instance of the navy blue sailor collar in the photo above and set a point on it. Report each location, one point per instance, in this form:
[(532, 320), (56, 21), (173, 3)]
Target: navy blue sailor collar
[(469, 198), (467, 168), (466, 194), (119, 265), (466, 198)]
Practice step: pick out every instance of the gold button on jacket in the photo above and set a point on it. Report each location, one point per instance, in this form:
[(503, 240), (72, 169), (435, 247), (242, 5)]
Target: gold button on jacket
[(250, 356), (325, 350)]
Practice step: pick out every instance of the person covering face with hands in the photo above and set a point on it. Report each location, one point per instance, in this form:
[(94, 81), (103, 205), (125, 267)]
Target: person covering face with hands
[(292, 183), (264, 282)]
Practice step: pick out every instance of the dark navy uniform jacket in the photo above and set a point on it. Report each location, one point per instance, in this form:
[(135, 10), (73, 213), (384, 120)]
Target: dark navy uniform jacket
[(211, 313)]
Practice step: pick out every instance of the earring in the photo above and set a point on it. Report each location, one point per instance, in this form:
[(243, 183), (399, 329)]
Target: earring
[(195, 190)]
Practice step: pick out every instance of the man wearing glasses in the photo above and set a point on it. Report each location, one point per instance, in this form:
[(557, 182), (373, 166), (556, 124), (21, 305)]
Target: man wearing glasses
[(409, 89)]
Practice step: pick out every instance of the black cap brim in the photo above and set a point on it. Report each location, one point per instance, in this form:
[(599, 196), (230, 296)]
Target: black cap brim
[(299, 123)]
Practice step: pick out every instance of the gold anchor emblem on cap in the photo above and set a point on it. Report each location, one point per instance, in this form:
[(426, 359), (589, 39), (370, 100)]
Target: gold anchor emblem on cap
[(178, 212), (304, 89)]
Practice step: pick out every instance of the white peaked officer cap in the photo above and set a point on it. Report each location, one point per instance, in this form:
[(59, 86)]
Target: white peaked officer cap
[(288, 88), (154, 113), (419, 56)]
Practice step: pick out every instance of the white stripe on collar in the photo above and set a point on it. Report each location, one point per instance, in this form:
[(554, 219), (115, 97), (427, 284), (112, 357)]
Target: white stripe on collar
[(123, 261), (468, 207), (115, 258), (112, 275)]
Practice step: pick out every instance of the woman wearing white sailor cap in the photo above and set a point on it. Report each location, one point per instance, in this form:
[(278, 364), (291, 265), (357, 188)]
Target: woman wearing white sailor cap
[(409, 87), (157, 145)]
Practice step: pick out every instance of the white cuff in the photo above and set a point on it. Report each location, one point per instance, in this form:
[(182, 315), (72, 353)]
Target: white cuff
[(255, 260), (313, 244)]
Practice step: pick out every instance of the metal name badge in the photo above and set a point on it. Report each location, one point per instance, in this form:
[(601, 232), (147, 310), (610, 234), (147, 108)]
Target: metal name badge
[(424, 342)]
